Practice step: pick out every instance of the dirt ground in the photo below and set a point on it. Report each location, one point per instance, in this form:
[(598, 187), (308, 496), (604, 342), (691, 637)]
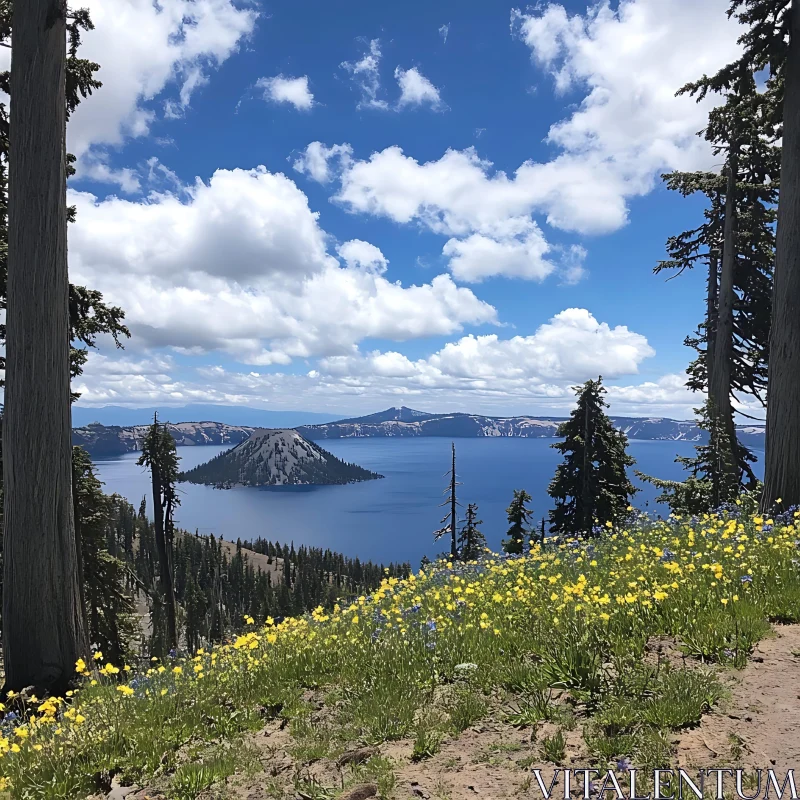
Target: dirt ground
[(757, 727), (754, 727)]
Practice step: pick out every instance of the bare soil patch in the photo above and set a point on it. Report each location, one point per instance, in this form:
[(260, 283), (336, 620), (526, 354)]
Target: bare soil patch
[(754, 727)]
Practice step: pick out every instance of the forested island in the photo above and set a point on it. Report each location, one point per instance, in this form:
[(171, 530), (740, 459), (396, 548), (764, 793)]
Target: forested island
[(276, 458)]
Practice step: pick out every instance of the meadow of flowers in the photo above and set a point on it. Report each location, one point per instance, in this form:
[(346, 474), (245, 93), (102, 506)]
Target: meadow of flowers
[(425, 658)]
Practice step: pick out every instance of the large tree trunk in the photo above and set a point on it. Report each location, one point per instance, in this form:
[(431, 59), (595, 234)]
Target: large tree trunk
[(165, 573), (719, 385), (169, 536), (43, 624), (453, 512), (782, 459), (586, 502), (711, 312)]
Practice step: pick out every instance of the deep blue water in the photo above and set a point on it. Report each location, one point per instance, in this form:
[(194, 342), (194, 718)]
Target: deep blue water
[(391, 519)]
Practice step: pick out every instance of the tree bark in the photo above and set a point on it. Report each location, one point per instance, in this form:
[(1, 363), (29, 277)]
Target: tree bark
[(453, 512), (711, 312), (585, 487), (782, 458), (165, 573), (169, 536), (43, 623), (722, 363)]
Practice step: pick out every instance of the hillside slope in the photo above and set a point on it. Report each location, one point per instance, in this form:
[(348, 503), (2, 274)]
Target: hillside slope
[(403, 422), (460, 679), (276, 458)]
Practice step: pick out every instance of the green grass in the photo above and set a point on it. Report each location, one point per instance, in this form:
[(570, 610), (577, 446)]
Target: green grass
[(554, 747), (532, 638)]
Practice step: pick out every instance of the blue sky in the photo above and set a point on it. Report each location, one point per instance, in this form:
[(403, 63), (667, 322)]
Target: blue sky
[(341, 207)]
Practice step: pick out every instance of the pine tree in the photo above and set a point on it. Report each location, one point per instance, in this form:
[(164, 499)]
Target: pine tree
[(159, 454), (518, 518), (771, 45), (706, 488), (591, 485), (89, 316), (109, 607), (737, 242), (82, 313), (471, 542), (451, 517), (43, 625)]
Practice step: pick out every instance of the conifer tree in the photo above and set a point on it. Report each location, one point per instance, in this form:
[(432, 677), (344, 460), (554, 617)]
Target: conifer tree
[(737, 242), (706, 488), (89, 315), (591, 485), (159, 454), (771, 45), (109, 607), (471, 541), (47, 88), (518, 518), (43, 621), (451, 517)]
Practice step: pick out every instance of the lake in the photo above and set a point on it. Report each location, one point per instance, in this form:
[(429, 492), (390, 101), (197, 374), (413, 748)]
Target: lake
[(391, 519)]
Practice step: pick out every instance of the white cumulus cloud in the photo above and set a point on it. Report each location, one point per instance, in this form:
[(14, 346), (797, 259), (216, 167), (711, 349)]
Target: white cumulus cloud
[(478, 256), (626, 63), (240, 265), (281, 89), (146, 50), (416, 89), (361, 254), (315, 160), (572, 347)]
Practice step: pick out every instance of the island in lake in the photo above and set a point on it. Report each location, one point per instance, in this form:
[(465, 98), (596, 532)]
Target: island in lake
[(276, 458)]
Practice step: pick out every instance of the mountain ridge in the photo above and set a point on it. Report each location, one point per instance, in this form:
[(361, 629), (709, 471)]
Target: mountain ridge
[(124, 417), (398, 422), (107, 441)]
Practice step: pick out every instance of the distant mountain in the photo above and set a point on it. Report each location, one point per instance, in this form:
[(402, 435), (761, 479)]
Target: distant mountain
[(105, 441), (101, 441), (397, 422), (276, 458), (230, 415), (401, 414)]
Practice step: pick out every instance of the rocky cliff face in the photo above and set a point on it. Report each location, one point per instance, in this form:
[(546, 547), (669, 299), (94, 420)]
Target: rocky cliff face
[(100, 440), (105, 441), (276, 458)]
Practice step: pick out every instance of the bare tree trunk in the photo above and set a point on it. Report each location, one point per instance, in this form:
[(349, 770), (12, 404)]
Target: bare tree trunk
[(169, 589), (165, 574), (720, 378), (711, 312), (43, 624), (585, 488), (453, 512), (782, 459)]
